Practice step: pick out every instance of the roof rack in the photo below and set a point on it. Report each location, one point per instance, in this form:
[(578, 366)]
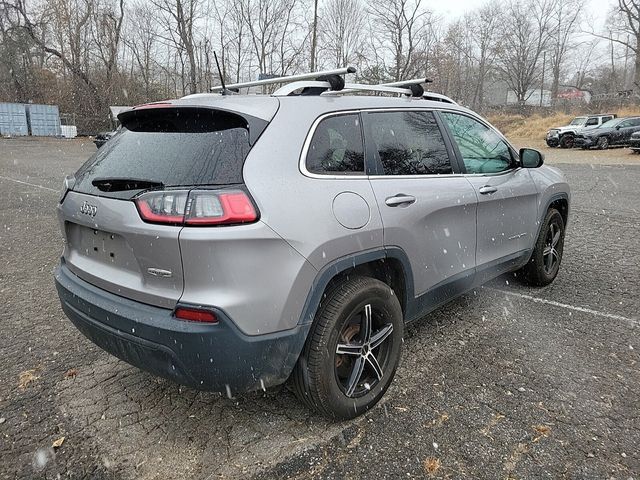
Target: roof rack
[(325, 88), (330, 82), (411, 88), (286, 79)]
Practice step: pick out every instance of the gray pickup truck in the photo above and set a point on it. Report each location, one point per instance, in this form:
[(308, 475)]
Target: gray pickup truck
[(564, 137)]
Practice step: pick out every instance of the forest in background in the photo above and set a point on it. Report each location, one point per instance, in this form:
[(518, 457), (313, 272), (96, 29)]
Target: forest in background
[(85, 55)]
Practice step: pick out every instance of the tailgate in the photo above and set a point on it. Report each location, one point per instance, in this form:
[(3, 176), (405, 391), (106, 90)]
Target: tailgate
[(109, 246)]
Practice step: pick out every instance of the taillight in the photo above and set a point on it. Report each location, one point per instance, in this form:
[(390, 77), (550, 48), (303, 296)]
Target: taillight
[(196, 207), (195, 315), (163, 206)]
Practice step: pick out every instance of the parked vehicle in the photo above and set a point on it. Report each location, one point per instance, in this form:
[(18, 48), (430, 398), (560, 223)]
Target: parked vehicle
[(262, 238), (615, 132), (102, 137), (634, 142), (564, 137)]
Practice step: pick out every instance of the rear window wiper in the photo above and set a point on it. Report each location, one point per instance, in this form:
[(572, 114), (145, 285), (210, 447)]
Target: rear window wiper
[(120, 184)]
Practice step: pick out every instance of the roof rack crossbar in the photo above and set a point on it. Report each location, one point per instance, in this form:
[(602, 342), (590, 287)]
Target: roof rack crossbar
[(348, 87), (286, 79), (401, 84)]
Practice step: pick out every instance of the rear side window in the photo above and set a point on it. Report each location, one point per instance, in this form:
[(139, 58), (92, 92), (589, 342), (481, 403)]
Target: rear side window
[(336, 146), (482, 149), (174, 146), (591, 122), (408, 143)]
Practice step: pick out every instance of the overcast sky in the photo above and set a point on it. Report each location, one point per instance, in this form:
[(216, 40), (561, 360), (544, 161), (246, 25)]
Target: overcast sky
[(451, 9)]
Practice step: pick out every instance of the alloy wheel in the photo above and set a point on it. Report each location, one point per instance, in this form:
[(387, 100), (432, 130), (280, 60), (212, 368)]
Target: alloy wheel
[(550, 253), (603, 143), (363, 351)]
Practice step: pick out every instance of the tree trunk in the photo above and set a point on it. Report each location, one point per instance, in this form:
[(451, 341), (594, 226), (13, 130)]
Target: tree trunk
[(636, 75), (314, 33)]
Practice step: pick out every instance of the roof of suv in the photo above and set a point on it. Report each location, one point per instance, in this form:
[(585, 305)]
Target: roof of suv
[(265, 106)]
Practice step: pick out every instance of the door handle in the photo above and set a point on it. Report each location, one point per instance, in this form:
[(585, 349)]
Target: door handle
[(488, 189), (400, 199)]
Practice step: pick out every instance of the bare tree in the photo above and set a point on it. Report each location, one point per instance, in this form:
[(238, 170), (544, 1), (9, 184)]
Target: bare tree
[(272, 25), (69, 19), (564, 22), (630, 12), (402, 25), (107, 31), (179, 18), (233, 38), (343, 23), (484, 25), (141, 40), (524, 37), (584, 62)]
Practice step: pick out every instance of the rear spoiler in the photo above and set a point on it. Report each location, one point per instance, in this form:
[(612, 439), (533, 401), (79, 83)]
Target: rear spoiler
[(135, 118)]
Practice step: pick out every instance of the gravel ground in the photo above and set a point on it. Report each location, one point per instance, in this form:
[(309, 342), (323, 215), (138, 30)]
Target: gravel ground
[(505, 382)]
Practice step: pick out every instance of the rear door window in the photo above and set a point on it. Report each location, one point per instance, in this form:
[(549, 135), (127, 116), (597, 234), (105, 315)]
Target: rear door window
[(173, 146), (408, 143), (336, 146), (481, 148)]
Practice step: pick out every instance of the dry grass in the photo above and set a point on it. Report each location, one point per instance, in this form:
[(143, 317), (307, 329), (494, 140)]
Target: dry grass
[(536, 126), (431, 466), (27, 377)]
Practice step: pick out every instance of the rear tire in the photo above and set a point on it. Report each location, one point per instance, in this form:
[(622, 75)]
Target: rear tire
[(603, 143), (545, 261), (344, 371)]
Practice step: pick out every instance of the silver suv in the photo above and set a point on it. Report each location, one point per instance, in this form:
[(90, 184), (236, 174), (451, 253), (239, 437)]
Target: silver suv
[(233, 242)]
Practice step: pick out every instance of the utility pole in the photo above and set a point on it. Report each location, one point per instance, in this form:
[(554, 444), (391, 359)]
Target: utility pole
[(314, 34), (544, 66)]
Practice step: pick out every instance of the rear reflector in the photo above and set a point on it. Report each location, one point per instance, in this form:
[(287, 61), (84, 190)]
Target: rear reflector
[(197, 207), (195, 315)]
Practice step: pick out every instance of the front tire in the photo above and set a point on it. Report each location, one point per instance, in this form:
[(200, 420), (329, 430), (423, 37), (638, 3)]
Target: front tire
[(544, 264), (567, 141), (352, 351)]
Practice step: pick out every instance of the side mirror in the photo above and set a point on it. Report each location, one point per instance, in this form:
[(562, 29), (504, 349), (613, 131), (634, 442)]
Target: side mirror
[(618, 127), (530, 158)]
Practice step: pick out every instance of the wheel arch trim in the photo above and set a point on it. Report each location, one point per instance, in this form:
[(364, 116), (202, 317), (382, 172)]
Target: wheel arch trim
[(543, 212), (347, 262)]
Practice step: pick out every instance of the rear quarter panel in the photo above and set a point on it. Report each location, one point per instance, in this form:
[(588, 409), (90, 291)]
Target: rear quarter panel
[(298, 208)]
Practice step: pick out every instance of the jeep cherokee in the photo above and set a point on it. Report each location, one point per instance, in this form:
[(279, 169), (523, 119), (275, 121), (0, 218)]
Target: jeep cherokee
[(234, 242)]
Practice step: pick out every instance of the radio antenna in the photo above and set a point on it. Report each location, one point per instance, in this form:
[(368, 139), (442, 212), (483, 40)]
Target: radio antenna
[(224, 89)]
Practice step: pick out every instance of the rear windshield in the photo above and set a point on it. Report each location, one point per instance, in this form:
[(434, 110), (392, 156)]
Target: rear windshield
[(172, 146)]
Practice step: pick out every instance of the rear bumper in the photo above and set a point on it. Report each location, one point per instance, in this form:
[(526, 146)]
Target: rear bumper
[(634, 144), (207, 357)]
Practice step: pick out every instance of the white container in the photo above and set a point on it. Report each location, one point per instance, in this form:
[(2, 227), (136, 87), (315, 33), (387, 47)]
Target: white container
[(69, 131)]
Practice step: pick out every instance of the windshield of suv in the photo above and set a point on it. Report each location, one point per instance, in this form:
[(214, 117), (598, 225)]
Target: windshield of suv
[(578, 121), (612, 123)]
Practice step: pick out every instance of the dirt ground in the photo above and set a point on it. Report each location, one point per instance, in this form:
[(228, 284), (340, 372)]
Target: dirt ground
[(507, 381)]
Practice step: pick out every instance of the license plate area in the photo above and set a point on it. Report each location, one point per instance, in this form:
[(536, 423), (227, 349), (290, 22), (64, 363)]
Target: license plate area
[(100, 246)]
